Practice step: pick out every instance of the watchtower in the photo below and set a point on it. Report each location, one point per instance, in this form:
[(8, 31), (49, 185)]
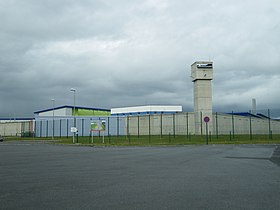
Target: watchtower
[(202, 75)]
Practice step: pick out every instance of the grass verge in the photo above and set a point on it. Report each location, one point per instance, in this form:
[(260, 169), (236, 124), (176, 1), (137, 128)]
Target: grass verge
[(158, 140)]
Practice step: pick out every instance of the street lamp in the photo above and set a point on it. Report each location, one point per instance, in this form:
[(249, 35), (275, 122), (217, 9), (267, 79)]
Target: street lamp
[(74, 91), (53, 100)]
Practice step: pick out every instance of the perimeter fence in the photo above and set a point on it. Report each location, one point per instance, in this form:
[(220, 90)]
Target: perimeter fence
[(163, 128)]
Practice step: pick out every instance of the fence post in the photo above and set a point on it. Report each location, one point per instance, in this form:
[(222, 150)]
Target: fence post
[(60, 128), (232, 123), (187, 116), (127, 125), (269, 125), (201, 132), (206, 127), (83, 123), (161, 125), (251, 128), (40, 128), (35, 129), (99, 130), (47, 130), (174, 126), (138, 126), (67, 127), (118, 131), (149, 128), (217, 130), (108, 121), (53, 127)]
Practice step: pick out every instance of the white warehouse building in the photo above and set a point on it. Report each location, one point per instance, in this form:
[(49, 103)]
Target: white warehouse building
[(146, 110)]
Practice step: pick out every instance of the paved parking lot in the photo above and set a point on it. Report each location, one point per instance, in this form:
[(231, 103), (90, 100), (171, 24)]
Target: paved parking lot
[(43, 176)]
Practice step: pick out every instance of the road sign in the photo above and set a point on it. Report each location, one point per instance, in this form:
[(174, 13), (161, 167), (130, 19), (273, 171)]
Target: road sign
[(206, 119)]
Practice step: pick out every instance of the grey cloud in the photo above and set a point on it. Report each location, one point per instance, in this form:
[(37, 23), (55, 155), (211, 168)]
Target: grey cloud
[(118, 53)]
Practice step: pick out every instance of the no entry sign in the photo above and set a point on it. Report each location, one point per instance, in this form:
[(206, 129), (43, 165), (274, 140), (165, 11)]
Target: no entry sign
[(206, 119)]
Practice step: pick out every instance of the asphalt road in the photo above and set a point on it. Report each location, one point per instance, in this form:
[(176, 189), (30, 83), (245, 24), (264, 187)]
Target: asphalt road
[(43, 176)]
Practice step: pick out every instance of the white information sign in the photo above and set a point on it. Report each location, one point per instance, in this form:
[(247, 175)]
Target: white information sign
[(74, 129)]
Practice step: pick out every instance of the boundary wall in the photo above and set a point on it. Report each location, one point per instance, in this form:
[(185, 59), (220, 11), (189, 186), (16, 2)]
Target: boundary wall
[(235, 124), (161, 124), (21, 128)]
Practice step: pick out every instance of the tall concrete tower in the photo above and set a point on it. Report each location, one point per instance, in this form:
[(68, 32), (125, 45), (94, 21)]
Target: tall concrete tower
[(202, 74)]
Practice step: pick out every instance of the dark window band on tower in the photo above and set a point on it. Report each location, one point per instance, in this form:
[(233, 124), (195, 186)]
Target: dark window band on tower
[(206, 65)]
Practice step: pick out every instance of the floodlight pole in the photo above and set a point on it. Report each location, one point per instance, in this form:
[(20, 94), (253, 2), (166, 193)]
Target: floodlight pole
[(53, 100), (74, 91)]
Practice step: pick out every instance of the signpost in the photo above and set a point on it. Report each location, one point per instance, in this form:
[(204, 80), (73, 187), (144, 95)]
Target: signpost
[(98, 125), (206, 120), (74, 130)]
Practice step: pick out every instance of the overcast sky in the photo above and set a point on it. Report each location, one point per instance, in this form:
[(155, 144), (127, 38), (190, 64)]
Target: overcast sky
[(134, 52)]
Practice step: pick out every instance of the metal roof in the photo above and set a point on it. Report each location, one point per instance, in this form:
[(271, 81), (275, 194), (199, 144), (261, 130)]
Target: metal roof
[(71, 107), (248, 114)]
